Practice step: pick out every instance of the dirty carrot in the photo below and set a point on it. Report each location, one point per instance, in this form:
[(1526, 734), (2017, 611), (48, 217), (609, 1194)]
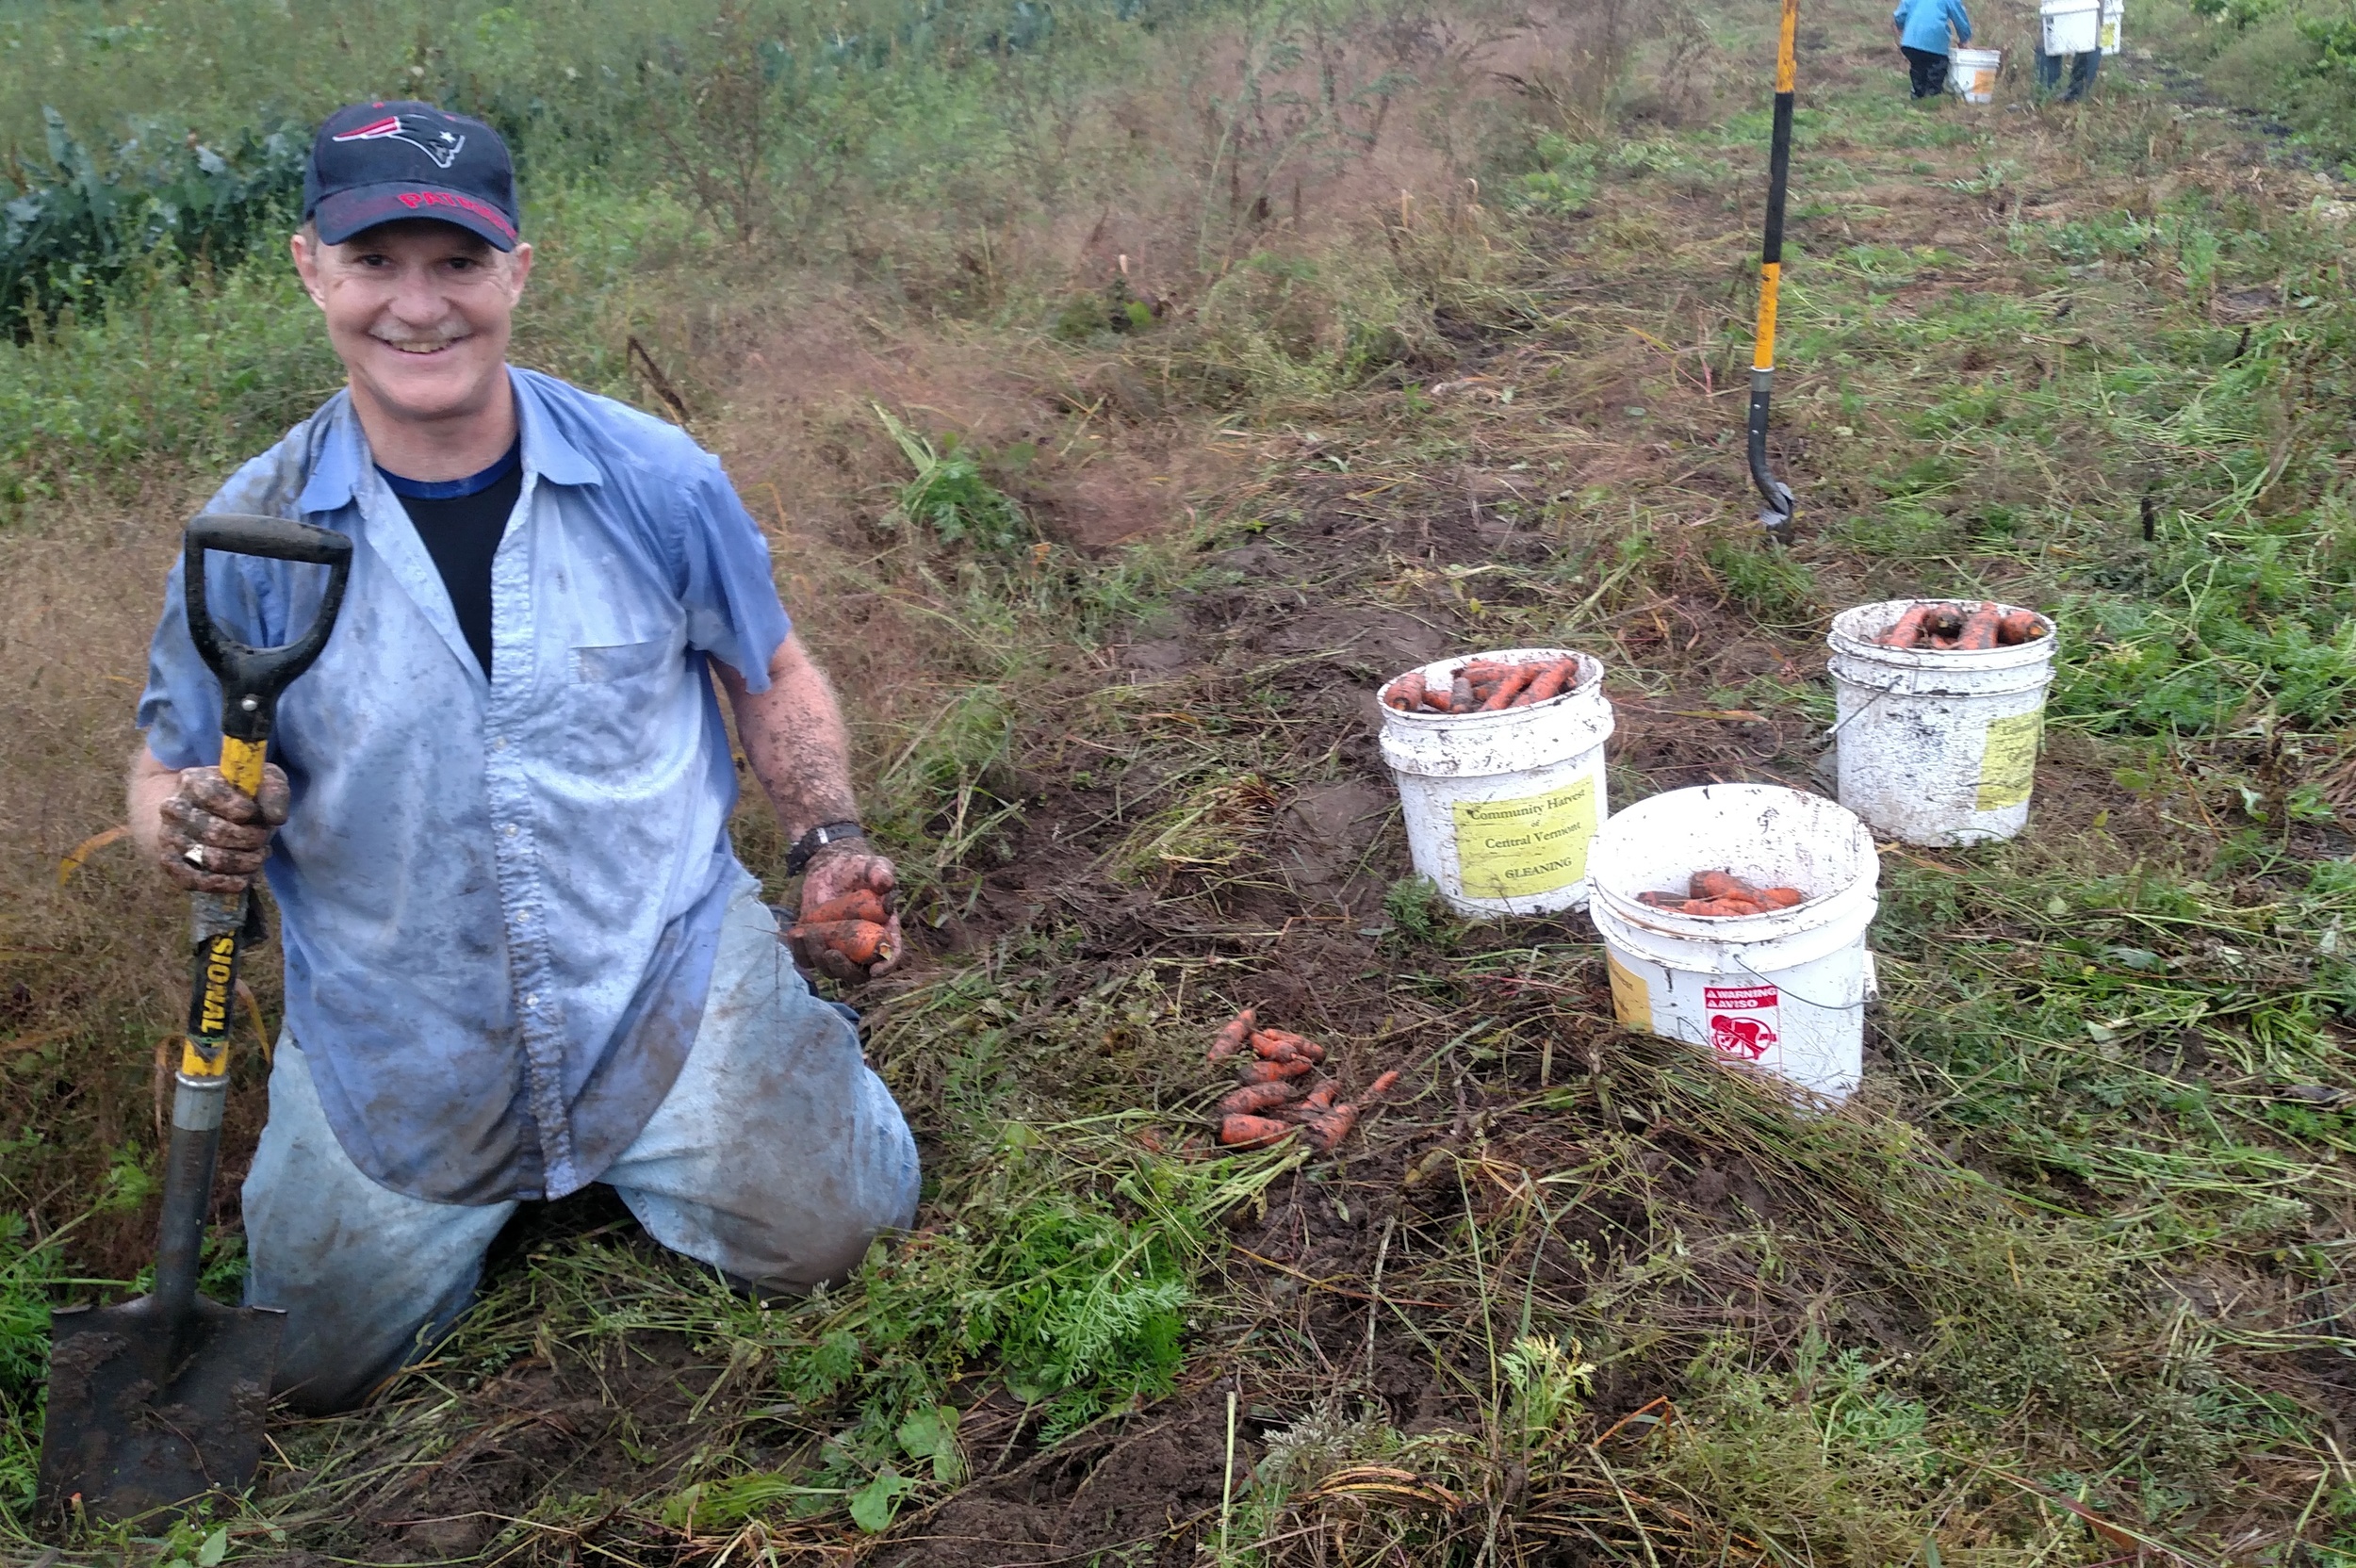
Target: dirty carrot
[(1251, 1132), (1716, 907), (1406, 692), (1907, 632), (1664, 901), (1327, 1131), (1720, 883), (1281, 1044), (1979, 629), (1231, 1037), (859, 903), (1254, 1098), (1385, 1083), (1548, 682), (1509, 686), (1781, 898), (860, 940), (1321, 1098), (1460, 695), (2022, 625), (1269, 1073)]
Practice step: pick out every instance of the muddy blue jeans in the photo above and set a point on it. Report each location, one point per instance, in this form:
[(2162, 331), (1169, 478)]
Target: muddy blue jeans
[(777, 1158), (2082, 70)]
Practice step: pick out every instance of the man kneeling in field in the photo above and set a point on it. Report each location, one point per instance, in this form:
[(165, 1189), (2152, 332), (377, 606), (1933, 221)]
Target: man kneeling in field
[(520, 954)]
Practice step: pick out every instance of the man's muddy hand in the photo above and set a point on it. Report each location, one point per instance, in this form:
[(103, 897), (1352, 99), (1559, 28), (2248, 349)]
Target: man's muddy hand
[(838, 871), (215, 836)]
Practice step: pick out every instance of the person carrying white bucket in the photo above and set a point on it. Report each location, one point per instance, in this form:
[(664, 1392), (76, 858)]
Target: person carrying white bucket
[(1922, 27), (1782, 991), (1937, 745), (2069, 30), (1501, 782)]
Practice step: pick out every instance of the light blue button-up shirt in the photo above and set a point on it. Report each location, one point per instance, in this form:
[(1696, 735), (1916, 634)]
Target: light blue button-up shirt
[(1923, 24), (500, 896)]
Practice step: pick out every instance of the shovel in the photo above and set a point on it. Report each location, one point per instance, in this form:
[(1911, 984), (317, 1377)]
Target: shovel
[(158, 1401)]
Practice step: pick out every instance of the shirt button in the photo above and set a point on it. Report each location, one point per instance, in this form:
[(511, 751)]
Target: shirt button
[(509, 829), (531, 999), (499, 744)]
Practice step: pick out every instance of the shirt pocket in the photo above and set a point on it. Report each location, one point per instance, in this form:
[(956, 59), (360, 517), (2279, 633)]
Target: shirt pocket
[(612, 662)]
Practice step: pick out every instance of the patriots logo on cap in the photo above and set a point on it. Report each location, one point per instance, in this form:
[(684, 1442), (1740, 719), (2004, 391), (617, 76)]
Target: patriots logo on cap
[(441, 146)]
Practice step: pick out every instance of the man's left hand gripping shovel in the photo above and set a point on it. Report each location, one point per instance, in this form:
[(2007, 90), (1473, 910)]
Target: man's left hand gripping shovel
[(157, 1400)]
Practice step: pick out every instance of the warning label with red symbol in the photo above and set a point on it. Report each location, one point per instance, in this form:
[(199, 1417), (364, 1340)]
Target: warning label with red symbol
[(1742, 1019)]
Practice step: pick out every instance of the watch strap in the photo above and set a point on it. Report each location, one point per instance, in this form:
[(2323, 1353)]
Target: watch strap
[(818, 838)]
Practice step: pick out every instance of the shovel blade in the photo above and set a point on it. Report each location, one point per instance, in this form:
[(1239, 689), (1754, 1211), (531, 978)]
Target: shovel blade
[(145, 1414)]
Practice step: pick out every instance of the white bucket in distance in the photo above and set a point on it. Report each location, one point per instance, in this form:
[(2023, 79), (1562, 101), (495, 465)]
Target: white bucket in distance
[(1501, 807), (1937, 747), (2114, 12), (1972, 74), (1782, 993), (2071, 26)]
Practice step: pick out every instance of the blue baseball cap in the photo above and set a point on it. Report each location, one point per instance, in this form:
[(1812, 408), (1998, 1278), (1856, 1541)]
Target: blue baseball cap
[(378, 163)]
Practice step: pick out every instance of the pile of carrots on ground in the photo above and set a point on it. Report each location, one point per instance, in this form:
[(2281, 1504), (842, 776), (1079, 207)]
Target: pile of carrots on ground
[(1263, 1110), (1484, 686), (1962, 627), (1722, 892), (852, 924)]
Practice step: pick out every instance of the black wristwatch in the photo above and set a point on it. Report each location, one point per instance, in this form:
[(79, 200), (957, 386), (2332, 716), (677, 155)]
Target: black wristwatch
[(818, 838)]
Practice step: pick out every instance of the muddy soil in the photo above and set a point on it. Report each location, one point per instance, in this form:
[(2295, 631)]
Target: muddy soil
[(1342, 586)]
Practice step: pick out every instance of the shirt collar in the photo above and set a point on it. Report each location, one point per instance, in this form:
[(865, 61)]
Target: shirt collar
[(343, 452)]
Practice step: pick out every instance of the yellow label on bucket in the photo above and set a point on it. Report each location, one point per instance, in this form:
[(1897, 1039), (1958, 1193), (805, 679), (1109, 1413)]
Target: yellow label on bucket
[(2008, 765), (1521, 848), (1631, 998)]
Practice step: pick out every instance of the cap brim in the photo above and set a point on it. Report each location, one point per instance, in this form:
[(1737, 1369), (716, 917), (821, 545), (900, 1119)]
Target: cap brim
[(363, 208)]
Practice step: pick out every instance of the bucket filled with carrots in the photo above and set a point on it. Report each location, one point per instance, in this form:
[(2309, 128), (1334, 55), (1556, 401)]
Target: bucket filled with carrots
[(1942, 707), (1734, 916), (1499, 759)]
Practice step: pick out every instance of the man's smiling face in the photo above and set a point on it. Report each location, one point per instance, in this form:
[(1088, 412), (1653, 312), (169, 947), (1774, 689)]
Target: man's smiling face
[(421, 313)]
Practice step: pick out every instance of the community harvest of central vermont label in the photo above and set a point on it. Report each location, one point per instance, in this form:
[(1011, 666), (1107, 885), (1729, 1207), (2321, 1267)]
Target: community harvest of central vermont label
[(2008, 763), (1520, 848)]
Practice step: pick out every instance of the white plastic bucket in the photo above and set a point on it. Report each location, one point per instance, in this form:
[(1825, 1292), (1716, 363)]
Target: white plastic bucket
[(1972, 74), (1937, 747), (1783, 992), (1500, 807), (2071, 26), (2113, 11)]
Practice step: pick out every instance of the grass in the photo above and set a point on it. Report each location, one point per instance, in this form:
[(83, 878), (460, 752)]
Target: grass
[(1107, 585)]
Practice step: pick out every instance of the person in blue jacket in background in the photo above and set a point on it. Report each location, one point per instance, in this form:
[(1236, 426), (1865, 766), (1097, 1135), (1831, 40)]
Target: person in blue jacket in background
[(1922, 27)]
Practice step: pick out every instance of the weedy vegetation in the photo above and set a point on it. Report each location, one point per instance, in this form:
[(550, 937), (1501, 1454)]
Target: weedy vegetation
[(1126, 387)]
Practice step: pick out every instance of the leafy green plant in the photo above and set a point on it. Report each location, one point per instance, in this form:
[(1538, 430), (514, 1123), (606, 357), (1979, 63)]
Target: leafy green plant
[(1551, 1383), (1765, 581), (949, 493), (77, 225), (1413, 906), (1563, 184)]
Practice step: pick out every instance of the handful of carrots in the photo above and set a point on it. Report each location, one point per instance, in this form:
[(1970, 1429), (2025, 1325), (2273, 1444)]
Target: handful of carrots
[(1962, 627), (854, 924), (1483, 686), (1722, 892), (1262, 1110)]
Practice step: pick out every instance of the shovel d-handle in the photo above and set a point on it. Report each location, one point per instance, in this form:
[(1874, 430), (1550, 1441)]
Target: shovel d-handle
[(251, 681)]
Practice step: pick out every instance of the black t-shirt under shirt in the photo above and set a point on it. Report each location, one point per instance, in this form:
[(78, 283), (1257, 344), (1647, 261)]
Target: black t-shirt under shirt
[(462, 521)]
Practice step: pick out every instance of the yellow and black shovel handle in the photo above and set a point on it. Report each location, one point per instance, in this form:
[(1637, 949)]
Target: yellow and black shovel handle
[(251, 681), (1777, 515)]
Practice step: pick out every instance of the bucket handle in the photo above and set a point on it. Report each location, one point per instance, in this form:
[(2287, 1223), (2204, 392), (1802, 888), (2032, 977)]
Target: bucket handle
[(1857, 1005), (1856, 713)]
